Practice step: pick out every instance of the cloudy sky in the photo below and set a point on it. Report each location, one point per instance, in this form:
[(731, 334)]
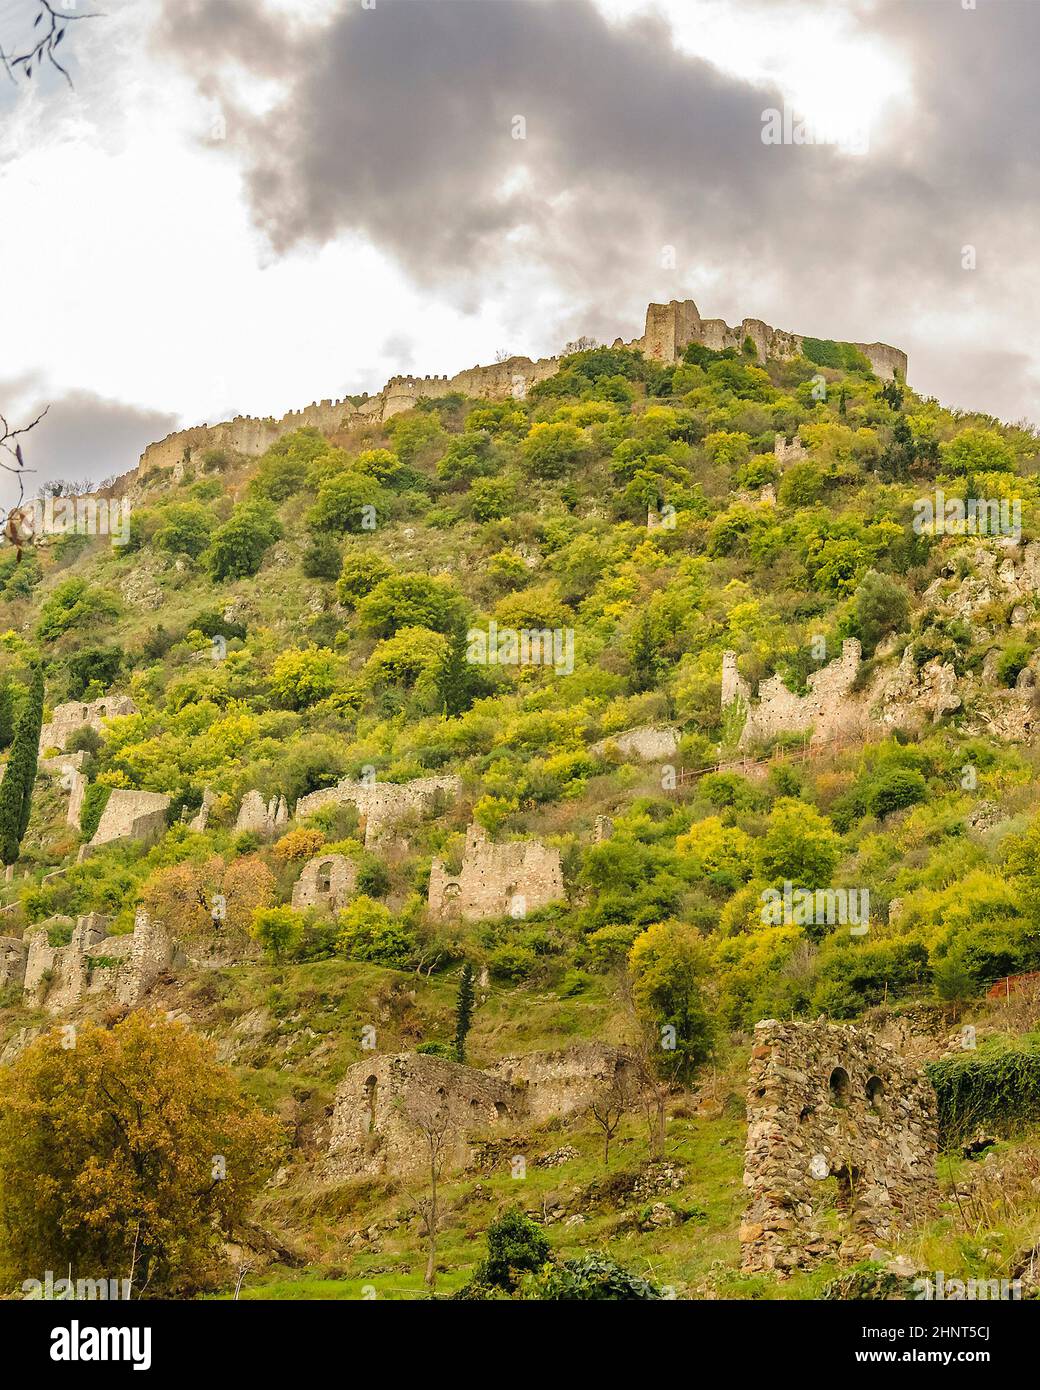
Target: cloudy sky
[(245, 205)]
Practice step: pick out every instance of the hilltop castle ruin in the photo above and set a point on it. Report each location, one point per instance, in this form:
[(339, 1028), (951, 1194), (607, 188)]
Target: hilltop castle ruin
[(668, 331)]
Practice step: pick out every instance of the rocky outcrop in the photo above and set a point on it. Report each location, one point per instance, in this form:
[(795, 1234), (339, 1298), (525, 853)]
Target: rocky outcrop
[(829, 1107), (650, 744)]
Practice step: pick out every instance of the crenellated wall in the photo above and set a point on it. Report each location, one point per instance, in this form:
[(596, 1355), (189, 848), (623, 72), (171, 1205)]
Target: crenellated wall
[(669, 329)]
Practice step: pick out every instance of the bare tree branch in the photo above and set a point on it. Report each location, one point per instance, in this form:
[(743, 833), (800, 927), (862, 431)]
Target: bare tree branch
[(48, 31)]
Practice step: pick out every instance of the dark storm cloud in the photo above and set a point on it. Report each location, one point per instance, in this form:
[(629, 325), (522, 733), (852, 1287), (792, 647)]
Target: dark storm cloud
[(397, 123), (81, 437)]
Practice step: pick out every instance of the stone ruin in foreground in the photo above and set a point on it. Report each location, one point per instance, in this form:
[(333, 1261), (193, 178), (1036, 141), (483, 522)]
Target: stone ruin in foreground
[(374, 1131), (833, 1117)]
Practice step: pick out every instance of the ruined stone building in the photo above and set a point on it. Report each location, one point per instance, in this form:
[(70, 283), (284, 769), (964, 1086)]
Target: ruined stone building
[(841, 1145), (382, 804), (505, 880), (670, 328), (327, 881), (374, 1125), (57, 978), (66, 719), (830, 708)]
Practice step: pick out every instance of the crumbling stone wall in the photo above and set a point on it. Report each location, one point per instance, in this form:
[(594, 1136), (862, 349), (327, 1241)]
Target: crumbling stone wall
[(832, 1114), (563, 1082), (65, 719), (831, 709), (372, 1129), (57, 978), (259, 816), (785, 453), (13, 951), (327, 881), (496, 880), (381, 804), (670, 328), (131, 815)]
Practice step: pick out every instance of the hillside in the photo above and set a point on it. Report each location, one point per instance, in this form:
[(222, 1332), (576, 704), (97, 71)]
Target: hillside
[(707, 639)]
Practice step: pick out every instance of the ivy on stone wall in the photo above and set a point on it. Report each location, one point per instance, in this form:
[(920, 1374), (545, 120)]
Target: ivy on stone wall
[(999, 1092), (93, 808)]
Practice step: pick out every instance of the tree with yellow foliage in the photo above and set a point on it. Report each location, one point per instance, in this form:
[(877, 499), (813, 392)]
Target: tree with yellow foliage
[(130, 1154)]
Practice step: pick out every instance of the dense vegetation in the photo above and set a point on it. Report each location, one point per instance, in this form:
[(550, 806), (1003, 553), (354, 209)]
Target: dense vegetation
[(284, 622)]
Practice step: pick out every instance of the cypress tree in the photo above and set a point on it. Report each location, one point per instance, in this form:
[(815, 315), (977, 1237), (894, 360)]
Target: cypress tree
[(17, 787), (464, 1004), (6, 714)]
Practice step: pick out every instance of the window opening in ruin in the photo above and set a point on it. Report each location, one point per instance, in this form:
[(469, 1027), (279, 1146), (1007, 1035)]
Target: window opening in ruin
[(875, 1091), (325, 878), (839, 1084)]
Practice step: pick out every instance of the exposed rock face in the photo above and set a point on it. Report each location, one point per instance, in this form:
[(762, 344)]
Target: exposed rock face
[(381, 804), (131, 815), (327, 881), (261, 817), (650, 744), (496, 880), (67, 718), (830, 1102), (59, 977), (373, 1126)]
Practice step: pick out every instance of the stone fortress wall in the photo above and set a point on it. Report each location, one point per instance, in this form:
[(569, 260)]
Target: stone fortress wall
[(830, 708), (56, 978), (829, 1102), (668, 330)]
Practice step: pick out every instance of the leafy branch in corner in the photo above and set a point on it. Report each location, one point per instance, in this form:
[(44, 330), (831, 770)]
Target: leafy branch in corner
[(49, 30)]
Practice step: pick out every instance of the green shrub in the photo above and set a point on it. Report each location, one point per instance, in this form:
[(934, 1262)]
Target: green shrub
[(1000, 1092), (94, 802)]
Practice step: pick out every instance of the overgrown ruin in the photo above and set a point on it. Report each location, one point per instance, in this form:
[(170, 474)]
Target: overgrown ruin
[(841, 1146), (511, 879)]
